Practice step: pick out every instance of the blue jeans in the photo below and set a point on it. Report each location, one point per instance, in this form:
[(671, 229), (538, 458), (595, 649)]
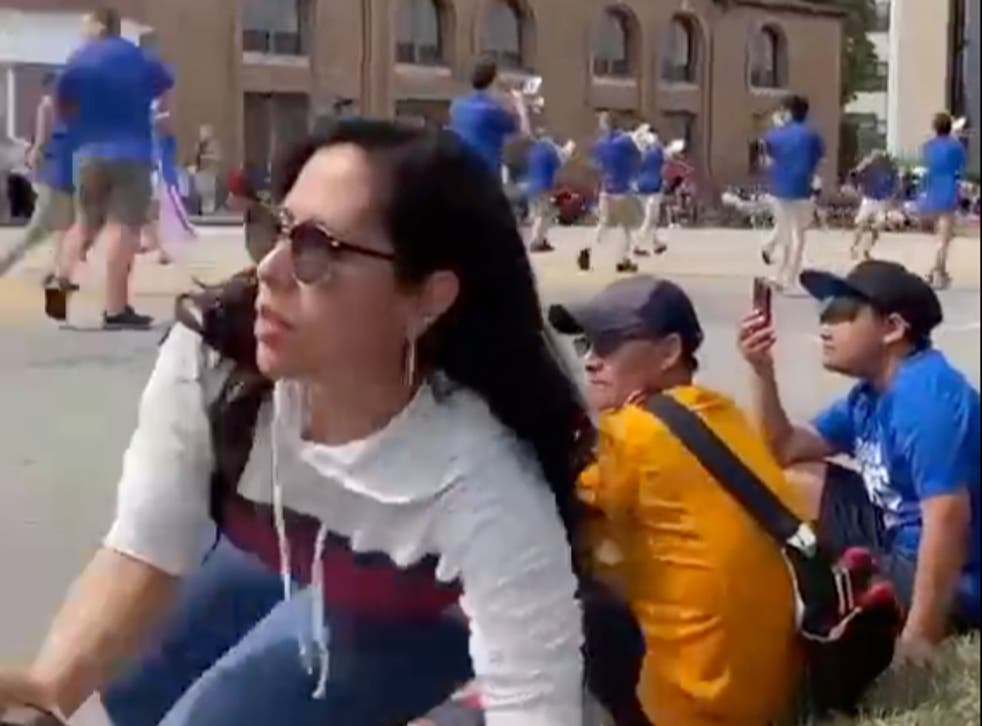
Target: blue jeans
[(228, 655)]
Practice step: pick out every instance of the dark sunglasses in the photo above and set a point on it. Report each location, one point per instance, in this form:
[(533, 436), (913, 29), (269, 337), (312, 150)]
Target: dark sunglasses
[(837, 310), (601, 346), (313, 248)]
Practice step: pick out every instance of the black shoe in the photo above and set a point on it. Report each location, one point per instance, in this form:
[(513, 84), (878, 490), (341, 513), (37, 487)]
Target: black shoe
[(56, 301), (583, 260), (626, 266), (766, 257), (641, 252), (661, 248), (128, 319), (542, 246)]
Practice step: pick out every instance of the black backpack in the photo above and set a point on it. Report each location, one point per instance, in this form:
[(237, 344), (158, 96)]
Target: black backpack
[(848, 636)]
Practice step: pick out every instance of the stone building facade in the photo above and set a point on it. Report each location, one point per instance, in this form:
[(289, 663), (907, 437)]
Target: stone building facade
[(712, 71)]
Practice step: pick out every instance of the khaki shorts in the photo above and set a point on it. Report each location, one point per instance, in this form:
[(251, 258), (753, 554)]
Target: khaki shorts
[(54, 209), (113, 191), (618, 210)]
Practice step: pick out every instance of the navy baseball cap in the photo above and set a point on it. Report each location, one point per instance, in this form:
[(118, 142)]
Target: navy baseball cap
[(888, 287), (640, 307)]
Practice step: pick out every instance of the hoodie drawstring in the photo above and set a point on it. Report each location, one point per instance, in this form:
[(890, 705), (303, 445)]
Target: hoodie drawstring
[(317, 573)]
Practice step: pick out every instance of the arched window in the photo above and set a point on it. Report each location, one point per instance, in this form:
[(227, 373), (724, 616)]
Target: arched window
[(612, 45), (504, 34), (679, 64), (768, 58), (420, 39)]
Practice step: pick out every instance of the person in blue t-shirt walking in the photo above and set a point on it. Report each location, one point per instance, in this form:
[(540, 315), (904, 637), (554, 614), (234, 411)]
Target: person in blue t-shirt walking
[(879, 183), (105, 92), (545, 159), (911, 425), (794, 150), (617, 157), (649, 186), (944, 157), (484, 120), (51, 159)]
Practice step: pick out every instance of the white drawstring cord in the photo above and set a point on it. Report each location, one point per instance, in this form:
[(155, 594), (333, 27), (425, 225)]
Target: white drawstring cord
[(317, 610)]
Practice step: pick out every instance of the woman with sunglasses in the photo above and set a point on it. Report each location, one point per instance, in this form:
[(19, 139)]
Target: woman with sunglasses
[(415, 499)]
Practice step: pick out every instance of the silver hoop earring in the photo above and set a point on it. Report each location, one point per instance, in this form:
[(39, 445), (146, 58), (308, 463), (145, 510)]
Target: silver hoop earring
[(410, 364)]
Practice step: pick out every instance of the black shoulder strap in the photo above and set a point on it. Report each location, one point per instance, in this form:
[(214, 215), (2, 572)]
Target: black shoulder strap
[(732, 474)]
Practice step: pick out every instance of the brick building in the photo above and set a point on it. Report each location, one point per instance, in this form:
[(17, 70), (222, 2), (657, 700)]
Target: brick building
[(709, 70)]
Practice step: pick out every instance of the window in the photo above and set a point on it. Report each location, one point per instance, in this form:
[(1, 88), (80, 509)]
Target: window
[(420, 39), (679, 65), (768, 64), (877, 83), (272, 121), (611, 46), (870, 131), (275, 26), (503, 34), (881, 18), (681, 125)]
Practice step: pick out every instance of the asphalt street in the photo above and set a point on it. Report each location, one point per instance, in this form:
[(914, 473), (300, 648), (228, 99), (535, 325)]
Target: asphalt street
[(68, 396)]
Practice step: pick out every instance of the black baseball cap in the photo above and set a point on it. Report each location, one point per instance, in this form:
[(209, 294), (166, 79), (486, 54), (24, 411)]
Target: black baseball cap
[(640, 307), (888, 287)]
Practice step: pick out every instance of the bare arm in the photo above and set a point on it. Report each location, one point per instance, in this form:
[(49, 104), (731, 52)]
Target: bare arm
[(789, 443), (940, 559), (111, 608)]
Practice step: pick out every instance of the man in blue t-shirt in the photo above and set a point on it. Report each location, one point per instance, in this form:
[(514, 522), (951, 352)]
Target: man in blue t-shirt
[(105, 92), (483, 120), (649, 186), (911, 424), (794, 151), (51, 160), (543, 163), (878, 182), (617, 157), (944, 157)]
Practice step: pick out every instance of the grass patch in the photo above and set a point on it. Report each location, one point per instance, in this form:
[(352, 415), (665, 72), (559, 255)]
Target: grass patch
[(945, 695)]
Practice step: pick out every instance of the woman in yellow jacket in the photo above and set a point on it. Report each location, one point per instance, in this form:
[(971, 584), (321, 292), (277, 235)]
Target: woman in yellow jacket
[(709, 588)]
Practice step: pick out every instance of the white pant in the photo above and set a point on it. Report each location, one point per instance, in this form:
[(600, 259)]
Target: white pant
[(792, 218), (206, 182), (542, 212), (871, 212), (652, 216)]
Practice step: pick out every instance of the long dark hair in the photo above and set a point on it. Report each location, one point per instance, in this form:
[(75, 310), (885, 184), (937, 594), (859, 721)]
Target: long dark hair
[(444, 210)]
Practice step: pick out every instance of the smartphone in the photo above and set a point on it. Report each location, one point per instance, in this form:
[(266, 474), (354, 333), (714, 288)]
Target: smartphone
[(763, 296), (28, 716)]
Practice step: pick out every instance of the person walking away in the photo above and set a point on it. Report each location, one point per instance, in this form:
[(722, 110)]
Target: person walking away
[(485, 119), (912, 425), (708, 586), (617, 157), (413, 509), (169, 224), (106, 90), (545, 159), (944, 158), (794, 151), (207, 166), (649, 185), (50, 158), (878, 182)]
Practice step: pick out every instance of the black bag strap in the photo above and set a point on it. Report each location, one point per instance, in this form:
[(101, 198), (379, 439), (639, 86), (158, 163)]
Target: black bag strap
[(733, 475)]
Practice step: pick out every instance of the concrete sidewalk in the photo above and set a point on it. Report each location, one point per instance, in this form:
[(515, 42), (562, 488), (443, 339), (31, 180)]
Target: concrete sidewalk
[(693, 253)]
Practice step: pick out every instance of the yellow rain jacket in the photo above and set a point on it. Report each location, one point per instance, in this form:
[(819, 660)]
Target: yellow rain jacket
[(709, 588)]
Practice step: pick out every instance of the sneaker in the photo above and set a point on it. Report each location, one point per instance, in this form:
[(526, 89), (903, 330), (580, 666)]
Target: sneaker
[(128, 319), (542, 246), (766, 256), (641, 252), (660, 248), (583, 260), (626, 266), (939, 279)]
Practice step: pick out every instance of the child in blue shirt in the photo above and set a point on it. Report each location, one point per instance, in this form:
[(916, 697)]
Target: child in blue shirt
[(944, 158)]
